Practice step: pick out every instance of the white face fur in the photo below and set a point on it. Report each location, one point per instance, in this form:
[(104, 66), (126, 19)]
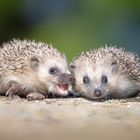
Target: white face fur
[(101, 80), (49, 71)]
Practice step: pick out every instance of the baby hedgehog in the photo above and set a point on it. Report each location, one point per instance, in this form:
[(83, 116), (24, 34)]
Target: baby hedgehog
[(33, 70), (107, 73)]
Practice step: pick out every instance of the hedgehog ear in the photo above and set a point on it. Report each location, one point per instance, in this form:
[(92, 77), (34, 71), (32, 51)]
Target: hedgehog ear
[(34, 62), (72, 67), (114, 66)]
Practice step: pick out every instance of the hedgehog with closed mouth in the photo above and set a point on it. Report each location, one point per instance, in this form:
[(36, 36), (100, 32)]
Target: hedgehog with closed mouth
[(33, 69), (106, 73)]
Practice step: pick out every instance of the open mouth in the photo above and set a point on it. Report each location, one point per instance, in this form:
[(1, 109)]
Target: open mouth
[(62, 89)]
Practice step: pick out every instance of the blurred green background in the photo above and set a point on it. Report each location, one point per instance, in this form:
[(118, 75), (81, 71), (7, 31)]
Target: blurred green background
[(72, 26)]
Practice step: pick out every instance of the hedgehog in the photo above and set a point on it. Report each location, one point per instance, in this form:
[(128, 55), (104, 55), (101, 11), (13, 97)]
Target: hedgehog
[(33, 70), (106, 73)]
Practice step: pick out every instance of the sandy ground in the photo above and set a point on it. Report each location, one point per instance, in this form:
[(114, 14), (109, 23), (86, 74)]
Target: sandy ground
[(69, 119)]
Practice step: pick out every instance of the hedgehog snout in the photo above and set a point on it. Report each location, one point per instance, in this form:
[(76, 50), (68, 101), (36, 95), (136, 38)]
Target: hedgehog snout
[(97, 93), (71, 78), (66, 78)]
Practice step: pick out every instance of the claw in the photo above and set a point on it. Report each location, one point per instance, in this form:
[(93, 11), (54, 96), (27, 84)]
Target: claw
[(13, 91)]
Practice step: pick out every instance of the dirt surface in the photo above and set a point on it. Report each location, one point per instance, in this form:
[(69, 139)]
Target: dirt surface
[(69, 119)]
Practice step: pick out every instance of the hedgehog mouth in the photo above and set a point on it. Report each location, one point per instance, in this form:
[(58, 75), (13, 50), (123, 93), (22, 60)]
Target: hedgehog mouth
[(63, 89)]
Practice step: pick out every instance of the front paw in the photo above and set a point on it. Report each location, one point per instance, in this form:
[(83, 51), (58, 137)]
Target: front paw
[(35, 96), (13, 91), (14, 97)]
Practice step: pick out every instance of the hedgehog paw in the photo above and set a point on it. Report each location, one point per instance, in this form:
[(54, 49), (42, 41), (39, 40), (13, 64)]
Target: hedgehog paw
[(13, 91), (35, 96), (15, 97)]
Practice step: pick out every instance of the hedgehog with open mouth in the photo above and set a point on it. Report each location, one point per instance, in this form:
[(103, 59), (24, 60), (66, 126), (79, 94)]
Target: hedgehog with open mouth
[(33, 70)]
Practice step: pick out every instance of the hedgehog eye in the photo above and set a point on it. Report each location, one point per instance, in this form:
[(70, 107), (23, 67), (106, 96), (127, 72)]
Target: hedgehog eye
[(86, 80), (104, 79), (53, 70)]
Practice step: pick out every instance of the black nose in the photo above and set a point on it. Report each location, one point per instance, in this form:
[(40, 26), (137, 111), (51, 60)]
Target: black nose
[(97, 93), (66, 78), (71, 78)]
